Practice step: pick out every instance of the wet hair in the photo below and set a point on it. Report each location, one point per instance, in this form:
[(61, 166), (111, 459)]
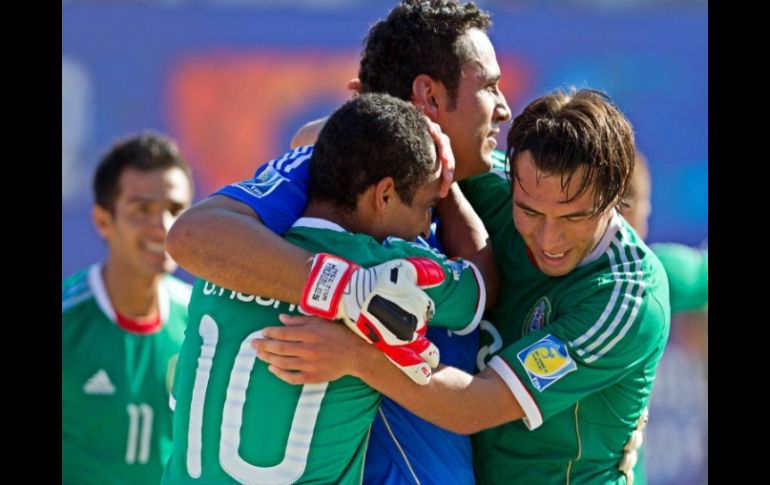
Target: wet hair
[(566, 130)]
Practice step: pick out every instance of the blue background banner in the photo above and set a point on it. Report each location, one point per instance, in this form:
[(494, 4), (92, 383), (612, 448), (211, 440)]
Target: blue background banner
[(231, 81), (233, 84)]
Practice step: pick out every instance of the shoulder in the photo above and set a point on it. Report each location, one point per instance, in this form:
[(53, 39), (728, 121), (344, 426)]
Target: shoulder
[(290, 167), (622, 298), (397, 247), (286, 163), (75, 290), (179, 292)]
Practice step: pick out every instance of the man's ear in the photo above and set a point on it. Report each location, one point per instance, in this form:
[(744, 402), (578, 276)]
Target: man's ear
[(102, 219), (384, 192), (428, 95)]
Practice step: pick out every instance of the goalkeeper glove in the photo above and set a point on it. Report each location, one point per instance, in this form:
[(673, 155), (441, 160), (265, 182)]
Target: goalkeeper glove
[(384, 305)]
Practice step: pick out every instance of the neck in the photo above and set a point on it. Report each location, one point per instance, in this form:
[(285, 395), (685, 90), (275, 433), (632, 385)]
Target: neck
[(131, 294), (330, 212), (356, 222)]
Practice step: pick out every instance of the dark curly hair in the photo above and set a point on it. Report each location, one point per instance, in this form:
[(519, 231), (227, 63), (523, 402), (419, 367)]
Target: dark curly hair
[(564, 131), (419, 37), (371, 137), (146, 151)]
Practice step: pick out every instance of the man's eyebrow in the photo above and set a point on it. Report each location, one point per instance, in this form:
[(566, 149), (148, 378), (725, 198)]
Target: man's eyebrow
[(139, 198), (583, 213), (525, 206)]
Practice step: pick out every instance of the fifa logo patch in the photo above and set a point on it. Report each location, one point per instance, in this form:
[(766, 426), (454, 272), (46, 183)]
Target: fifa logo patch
[(264, 183), (546, 361), (537, 317)]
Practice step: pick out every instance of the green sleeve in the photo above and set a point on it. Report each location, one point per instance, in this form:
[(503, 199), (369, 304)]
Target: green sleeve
[(688, 275), (460, 299), (591, 346)]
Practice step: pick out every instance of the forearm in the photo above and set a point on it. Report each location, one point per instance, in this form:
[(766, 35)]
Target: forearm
[(223, 241), (462, 234), (452, 399)]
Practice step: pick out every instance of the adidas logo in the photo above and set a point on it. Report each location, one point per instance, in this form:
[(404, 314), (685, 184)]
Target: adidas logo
[(99, 383)]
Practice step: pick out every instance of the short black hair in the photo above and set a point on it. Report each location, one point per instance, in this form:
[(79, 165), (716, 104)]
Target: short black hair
[(146, 151), (371, 137), (419, 37)]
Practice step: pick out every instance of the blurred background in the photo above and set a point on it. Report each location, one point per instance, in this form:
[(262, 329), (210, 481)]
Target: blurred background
[(232, 80)]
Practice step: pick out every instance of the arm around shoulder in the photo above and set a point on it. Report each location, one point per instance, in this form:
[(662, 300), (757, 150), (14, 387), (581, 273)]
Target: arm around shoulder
[(223, 241), (462, 234)]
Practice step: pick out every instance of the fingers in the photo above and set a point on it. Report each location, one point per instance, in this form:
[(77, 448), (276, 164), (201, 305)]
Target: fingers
[(268, 348), (419, 371), (429, 272), (290, 362), (427, 350), (355, 86), (444, 155), (294, 320), (292, 377)]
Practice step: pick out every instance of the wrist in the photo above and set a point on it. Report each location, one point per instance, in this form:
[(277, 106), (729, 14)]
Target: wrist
[(366, 361)]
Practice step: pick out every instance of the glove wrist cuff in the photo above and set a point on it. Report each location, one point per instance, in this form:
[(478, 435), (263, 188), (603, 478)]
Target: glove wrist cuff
[(326, 284)]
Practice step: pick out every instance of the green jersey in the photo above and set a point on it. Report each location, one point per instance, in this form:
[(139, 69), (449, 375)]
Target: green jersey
[(116, 420), (578, 352), (235, 422), (688, 275)]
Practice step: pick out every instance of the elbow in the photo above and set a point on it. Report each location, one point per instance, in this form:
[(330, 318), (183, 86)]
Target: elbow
[(175, 246), (468, 427)]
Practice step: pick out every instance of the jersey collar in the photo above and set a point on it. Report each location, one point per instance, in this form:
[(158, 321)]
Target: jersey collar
[(318, 223), (96, 282), (612, 228)]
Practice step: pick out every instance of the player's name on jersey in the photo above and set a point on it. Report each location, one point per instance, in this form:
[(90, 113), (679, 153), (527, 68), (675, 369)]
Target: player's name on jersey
[(210, 289)]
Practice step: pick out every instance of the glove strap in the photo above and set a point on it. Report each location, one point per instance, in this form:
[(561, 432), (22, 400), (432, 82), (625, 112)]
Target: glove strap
[(326, 284)]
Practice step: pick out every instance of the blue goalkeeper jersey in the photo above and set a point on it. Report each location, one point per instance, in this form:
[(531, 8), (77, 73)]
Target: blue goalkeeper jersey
[(403, 449)]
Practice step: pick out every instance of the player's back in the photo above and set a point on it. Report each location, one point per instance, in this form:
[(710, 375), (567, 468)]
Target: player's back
[(237, 423)]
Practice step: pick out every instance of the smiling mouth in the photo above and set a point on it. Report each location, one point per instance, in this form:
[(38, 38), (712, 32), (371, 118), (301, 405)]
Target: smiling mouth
[(155, 248), (554, 255)]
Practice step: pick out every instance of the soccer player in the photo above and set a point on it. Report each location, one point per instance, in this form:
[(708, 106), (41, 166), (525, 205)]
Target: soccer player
[(437, 55), (236, 422), (572, 346), (123, 321), (686, 267)]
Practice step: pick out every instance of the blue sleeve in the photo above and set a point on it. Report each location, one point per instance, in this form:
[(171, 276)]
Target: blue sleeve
[(278, 190)]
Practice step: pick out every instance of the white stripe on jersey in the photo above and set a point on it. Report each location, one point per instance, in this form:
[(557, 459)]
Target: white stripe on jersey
[(276, 163), (296, 163), (75, 300), (297, 152), (500, 173), (637, 298), (631, 274)]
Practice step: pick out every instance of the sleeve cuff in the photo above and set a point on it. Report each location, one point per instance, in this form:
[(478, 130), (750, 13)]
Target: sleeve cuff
[(481, 302), (533, 419)]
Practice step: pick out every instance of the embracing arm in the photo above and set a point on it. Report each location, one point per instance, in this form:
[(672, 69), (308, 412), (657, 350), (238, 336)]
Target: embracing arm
[(463, 235), (311, 350), (224, 241), (453, 399)]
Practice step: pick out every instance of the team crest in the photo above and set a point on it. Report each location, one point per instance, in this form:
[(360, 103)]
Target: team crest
[(546, 361), (537, 317), (264, 183)]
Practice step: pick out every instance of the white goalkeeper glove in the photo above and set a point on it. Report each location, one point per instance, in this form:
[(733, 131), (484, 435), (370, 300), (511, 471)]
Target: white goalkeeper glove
[(384, 305)]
